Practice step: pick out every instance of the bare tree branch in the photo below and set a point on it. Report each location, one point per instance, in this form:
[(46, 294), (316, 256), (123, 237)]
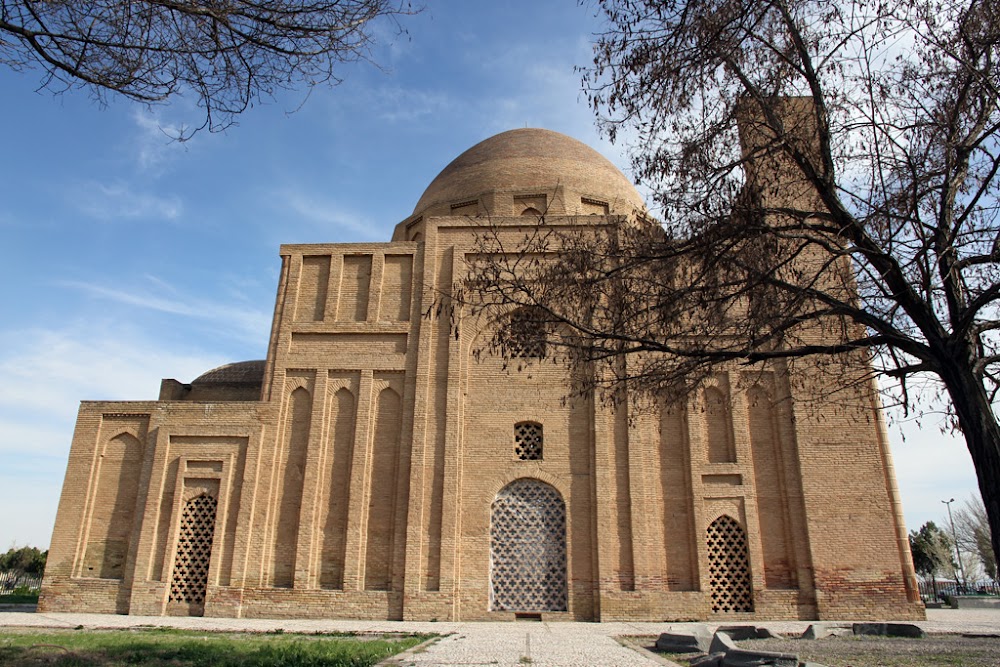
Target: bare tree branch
[(229, 54), (826, 174)]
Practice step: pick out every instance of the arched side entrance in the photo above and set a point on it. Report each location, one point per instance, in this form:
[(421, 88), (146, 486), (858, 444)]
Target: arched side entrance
[(528, 548), (194, 552), (728, 567)]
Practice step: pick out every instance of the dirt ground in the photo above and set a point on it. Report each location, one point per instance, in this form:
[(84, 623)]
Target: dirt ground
[(932, 651)]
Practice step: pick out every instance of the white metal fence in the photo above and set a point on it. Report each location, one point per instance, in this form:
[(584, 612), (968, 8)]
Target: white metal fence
[(11, 579)]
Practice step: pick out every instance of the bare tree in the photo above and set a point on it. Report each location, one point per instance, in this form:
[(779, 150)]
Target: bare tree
[(973, 535), (827, 177), (228, 53)]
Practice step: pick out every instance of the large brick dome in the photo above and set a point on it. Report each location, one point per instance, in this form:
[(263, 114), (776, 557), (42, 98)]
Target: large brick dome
[(531, 159)]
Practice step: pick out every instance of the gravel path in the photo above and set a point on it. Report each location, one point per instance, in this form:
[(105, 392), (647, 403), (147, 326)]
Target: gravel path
[(471, 644)]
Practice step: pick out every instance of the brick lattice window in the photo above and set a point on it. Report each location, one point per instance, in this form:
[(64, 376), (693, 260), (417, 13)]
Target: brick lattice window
[(728, 567), (528, 441), (194, 550), (528, 548), (527, 336)]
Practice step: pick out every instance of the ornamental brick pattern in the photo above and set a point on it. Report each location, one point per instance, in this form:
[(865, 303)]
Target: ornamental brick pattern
[(728, 567), (194, 550), (528, 441), (528, 548), (379, 465)]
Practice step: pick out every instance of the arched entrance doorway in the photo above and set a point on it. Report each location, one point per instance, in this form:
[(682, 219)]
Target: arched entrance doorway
[(528, 548)]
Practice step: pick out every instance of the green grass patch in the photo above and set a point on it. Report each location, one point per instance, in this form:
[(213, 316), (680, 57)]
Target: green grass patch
[(177, 648)]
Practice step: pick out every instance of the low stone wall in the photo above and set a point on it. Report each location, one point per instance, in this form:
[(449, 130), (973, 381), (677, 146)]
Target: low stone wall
[(974, 601)]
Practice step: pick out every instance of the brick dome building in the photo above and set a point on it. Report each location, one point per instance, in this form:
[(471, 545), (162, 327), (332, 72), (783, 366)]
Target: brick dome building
[(370, 467)]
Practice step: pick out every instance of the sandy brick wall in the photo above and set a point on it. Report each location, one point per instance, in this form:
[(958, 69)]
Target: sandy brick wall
[(363, 483)]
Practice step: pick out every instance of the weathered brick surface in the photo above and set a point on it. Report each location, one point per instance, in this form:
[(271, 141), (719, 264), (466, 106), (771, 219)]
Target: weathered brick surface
[(356, 478)]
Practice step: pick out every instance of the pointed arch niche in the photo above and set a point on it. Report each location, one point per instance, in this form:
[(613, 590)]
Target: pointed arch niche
[(113, 507), (720, 447), (382, 484), (772, 490), (343, 412), (292, 464), (679, 534)]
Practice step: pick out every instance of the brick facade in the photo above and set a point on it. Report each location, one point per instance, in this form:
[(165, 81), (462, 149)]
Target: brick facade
[(356, 472)]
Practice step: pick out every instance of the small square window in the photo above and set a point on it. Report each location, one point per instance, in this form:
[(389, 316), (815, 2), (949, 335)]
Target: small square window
[(527, 336), (528, 441)]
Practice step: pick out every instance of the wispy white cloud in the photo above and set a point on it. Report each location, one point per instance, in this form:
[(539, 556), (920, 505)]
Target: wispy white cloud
[(35, 498), (51, 370), (245, 323), (394, 104), (391, 41), (543, 90), (160, 283), (325, 213), (44, 373), (119, 201), (387, 102), (931, 465), (258, 288), (156, 139)]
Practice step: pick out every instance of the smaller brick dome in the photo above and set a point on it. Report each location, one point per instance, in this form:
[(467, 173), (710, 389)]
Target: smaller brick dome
[(240, 372), (528, 159)]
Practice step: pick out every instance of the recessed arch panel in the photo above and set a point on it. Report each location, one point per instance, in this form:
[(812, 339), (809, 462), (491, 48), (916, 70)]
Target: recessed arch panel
[(718, 427)]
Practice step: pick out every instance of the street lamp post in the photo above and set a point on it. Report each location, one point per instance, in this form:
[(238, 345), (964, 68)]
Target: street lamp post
[(954, 536)]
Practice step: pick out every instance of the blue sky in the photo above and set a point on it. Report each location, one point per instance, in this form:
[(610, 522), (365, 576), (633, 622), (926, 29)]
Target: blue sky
[(127, 258)]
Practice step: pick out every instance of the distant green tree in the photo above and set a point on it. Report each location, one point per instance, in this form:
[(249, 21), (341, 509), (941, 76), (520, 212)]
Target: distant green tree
[(29, 560), (931, 549)]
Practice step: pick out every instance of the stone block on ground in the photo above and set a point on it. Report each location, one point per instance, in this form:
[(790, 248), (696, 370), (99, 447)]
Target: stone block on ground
[(764, 633), (739, 657), (689, 640), (722, 642), (975, 602), (823, 630), (889, 630), (740, 632)]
